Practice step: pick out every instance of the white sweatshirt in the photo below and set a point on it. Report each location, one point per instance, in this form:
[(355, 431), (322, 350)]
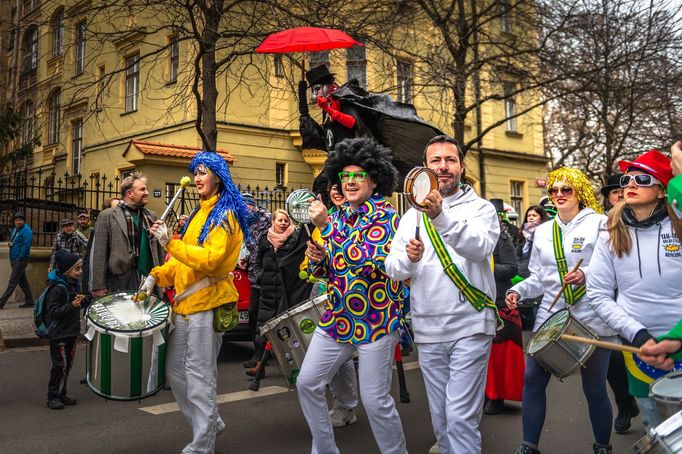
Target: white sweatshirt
[(469, 227), (648, 279), (579, 237)]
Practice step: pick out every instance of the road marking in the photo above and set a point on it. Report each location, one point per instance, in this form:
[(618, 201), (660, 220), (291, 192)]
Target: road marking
[(409, 366), (222, 399)]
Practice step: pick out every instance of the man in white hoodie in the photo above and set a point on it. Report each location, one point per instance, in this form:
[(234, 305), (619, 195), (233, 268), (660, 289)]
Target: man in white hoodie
[(452, 332)]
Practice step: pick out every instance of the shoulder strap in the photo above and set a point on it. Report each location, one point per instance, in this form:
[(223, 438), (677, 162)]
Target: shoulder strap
[(476, 297), (572, 293)]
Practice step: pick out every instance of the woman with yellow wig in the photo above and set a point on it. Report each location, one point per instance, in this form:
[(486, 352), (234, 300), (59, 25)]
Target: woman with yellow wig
[(557, 248)]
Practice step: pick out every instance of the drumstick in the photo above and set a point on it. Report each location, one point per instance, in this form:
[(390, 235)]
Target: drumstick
[(563, 287), (416, 232), (602, 344)]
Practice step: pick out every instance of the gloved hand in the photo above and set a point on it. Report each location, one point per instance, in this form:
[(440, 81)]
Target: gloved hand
[(343, 119), (160, 232), (303, 97), (323, 103), (146, 289)]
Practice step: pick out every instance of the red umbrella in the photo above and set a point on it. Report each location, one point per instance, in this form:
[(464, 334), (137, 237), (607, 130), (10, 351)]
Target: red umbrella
[(306, 39)]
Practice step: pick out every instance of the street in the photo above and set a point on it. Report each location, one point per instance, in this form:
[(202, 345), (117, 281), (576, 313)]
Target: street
[(269, 421)]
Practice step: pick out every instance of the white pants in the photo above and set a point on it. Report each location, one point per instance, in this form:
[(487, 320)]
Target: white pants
[(324, 357), (344, 386), (192, 371), (454, 373)]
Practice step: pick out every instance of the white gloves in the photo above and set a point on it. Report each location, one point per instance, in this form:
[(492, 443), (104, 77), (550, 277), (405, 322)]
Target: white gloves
[(161, 234), (146, 288)]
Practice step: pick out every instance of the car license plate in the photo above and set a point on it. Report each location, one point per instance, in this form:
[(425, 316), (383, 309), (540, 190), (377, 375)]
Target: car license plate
[(244, 317)]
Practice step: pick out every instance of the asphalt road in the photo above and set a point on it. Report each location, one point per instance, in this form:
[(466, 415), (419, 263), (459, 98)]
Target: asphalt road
[(266, 422)]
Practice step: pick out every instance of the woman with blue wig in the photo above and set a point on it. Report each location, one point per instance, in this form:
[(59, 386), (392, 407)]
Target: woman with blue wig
[(200, 269)]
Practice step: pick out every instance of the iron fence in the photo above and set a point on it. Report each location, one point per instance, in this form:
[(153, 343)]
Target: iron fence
[(46, 199)]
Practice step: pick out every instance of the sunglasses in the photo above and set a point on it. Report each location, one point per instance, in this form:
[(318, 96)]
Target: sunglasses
[(642, 179), (564, 191), (358, 177)]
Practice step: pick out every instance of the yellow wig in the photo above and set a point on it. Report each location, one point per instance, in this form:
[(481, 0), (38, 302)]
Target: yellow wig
[(585, 192)]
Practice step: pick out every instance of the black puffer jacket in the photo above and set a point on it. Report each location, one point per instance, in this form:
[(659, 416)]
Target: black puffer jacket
[(60, 315), (281, 287), (504, 257)]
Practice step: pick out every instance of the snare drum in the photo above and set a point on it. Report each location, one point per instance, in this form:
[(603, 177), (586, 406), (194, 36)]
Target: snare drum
[(126, 350), (666, 392), (419, 183), (666, 438), (560, 357), (290, 335)]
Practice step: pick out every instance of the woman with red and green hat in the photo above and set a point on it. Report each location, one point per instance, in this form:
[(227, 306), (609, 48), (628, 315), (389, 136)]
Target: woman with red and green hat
[(641, 255)]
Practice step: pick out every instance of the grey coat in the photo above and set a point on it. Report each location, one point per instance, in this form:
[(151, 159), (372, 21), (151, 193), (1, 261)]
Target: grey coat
[(112, 261)]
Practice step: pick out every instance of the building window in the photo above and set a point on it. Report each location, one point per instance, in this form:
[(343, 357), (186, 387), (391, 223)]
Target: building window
[(318, 58), (30, 49), (28, 114), (280, 174), (27, 6), (404, 72), (132, 87), (58, 33), (279, 66), (510, 107), (77, 146), (53, 124), (516, 192), (504, 10), (174, 63), (356, 65), (80, 48), (99, 99)]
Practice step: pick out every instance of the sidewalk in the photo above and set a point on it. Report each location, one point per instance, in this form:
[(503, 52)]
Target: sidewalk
[(16, 327)]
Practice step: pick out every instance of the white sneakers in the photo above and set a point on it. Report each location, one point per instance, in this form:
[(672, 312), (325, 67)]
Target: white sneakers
[(342, 417)]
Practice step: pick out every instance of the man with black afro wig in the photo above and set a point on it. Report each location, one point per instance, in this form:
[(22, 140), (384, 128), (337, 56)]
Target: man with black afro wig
[(374, 158), (364, 305)]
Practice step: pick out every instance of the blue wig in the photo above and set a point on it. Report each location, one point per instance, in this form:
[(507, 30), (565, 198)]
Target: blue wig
[(229, 198)]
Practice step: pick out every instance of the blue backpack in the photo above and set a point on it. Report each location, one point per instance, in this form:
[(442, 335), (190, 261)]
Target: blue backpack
[(41, 329)]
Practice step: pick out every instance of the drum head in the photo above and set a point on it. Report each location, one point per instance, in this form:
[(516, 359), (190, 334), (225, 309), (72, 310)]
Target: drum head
[(418, 184), (549, 331), (118, 312), (297, 205), (669, 386)]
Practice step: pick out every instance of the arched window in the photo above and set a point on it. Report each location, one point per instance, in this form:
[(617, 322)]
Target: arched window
[(30, 48), (58, 33), (28, 113), (55, 116)]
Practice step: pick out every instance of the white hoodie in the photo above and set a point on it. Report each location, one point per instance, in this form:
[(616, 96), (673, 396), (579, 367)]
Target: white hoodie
[(579, 238), (469, 227), (649, 281)]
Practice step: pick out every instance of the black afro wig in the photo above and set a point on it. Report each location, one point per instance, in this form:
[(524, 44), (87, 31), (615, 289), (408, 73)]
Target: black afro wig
[(375, 159)]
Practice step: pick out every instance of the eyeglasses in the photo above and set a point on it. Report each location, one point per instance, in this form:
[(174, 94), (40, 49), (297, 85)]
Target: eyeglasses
[(642, 179), (564, 191), (358, 177)]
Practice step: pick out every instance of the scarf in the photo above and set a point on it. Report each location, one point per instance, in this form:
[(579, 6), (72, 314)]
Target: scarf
[(657, 215), (135, 234), (529, 230), (278, 239)]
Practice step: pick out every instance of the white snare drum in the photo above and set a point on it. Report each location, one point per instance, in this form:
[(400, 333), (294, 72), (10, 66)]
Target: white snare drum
[(666, 438), (560, 357), (666, 392), (290, 334), (419, 183), (126, 350)]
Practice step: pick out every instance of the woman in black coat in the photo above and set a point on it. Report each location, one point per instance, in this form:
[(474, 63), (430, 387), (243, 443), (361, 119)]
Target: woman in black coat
[(280, 253)]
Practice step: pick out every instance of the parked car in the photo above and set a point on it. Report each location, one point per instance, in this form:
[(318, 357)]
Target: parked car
[(241, 331)]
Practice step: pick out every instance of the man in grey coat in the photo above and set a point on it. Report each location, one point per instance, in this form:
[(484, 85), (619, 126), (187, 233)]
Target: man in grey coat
[(122, 249)]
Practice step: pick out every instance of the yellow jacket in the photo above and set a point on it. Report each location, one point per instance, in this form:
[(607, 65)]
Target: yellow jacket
[(190, 262)]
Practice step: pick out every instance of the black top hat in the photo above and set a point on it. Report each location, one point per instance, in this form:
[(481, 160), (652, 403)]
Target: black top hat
[(498, 204), (319, 74), (612, 182)]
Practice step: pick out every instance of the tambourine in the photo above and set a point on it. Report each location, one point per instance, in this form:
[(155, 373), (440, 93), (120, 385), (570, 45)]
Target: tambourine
[(297, 205), (419, 183)]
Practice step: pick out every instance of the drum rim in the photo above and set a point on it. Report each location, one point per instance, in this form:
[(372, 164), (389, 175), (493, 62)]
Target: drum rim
[(563, 330), (105, 329), (661, 397), (273, 322), (409, 184)]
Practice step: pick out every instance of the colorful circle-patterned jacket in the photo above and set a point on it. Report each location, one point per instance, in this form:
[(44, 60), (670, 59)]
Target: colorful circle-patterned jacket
[(364, 303)]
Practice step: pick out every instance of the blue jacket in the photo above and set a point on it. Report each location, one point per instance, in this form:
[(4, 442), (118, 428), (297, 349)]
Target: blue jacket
[(21, 243)]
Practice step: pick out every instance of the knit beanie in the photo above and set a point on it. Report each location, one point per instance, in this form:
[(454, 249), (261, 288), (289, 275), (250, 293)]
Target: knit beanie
[(66, 261)]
